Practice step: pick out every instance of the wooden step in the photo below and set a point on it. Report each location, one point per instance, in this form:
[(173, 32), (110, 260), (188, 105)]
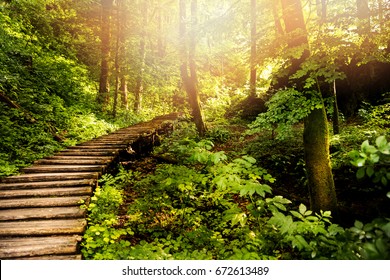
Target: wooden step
[(50, 177), (86, 153), (107, 149), (87, 190), (52, 257), (63, 168), (99, 146), (48, 184), (43, 202), (42, 228), (33, 246), (42, 213), (73, 161)]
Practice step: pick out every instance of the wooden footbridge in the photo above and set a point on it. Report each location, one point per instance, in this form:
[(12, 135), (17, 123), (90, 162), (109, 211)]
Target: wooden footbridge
[(40, 214)]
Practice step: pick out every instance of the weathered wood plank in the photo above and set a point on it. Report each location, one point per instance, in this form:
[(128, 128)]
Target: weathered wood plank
[(31, 247), (86, 153), (52, 257), (73, 161), (50, 177), (98, 146), (41, 228), (46, 192), (63, 168), (48, 184), (107, 149), (43, 202), (42, 213)]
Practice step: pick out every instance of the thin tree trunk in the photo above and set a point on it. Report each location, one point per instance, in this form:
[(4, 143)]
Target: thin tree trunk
[(252, 81), (278, 24), (142, 52), (117, 53), (103, 97), (190, 80), (123, 91), (336, 115)]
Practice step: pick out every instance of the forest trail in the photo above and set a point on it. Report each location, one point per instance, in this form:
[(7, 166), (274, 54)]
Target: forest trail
[(40, 214)]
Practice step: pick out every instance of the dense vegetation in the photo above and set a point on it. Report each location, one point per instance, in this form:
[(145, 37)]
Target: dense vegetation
[(271, 102)]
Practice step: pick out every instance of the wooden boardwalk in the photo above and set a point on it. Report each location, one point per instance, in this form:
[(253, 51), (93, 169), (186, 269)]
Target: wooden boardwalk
[(40, 214)]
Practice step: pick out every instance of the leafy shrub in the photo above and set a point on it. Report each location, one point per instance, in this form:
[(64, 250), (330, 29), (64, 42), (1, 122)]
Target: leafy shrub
[(373, 161), (285, 108)]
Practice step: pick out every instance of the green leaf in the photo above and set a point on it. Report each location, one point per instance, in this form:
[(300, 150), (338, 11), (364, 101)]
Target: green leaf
[(384, 181), (300, 242), (367, 148), (370, 171), (361, 173), (302, 209), (381, 142), (358, 225)]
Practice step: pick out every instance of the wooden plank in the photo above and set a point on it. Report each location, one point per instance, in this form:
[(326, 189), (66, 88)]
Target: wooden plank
[(63, 168), (50, 177), (107, 149), (99, 146), (42, 213), (42, 228), (46, 192), (48, 184), (43, 202), (66, 157), (86, 153), (32, 247), (73, 161), (52, 257)]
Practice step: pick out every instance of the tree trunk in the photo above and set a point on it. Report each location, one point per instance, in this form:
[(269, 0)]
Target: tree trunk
[(319, 172), (252, 81), (363, 14), (336, 115), (142, 52), (117, 54), (123, 92), (103, 97), (278, 25), (316, 134), (188, 61)]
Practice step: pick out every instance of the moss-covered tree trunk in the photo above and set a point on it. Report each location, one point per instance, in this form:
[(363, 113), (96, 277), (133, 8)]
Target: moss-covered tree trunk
[(319, 172), (316, 134)]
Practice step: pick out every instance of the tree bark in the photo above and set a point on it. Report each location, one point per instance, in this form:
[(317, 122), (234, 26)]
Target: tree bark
[(142, 52), (316, 134), (278, 25), (336, 115), (253, 64), (188, 64), (319, 172), (103, 97)]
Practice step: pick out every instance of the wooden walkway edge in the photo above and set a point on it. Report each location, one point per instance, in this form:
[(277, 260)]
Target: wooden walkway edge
[(40, 214)]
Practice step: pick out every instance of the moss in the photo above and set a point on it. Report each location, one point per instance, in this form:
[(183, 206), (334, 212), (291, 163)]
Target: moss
[(319, 172)]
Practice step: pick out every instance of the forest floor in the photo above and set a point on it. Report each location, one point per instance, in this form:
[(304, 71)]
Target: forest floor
[(284, 160)]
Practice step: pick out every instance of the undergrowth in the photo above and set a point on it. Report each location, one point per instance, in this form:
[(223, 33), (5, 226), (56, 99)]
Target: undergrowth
[(211, 206)]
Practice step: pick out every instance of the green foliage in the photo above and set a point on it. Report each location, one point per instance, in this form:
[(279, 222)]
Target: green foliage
[(103, 239), (218, 134), (210, 207), (373, 238), (373, 161), (285, 108), (82, 127)]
